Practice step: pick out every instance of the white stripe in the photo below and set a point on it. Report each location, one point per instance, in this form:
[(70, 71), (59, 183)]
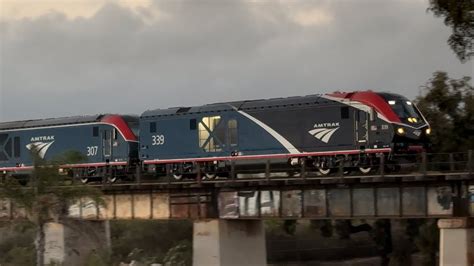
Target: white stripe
[(44, 149), (272, 132), (355, 104), (315, 131), (326, 138), (322, 133), (366, 108)]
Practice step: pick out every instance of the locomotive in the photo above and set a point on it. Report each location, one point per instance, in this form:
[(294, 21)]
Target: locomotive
[(109, 142), (323, 132)]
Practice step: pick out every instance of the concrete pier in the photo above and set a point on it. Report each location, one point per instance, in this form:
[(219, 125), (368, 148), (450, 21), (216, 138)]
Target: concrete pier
[(72, 242), (229, 242), (456, 242)]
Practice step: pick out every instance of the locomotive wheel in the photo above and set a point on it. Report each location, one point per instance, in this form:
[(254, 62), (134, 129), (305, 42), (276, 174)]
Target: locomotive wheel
[(210, 175), (324, 171), (365, 170), (178, 176)]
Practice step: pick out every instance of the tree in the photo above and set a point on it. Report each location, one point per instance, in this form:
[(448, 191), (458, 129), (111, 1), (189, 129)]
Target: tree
[(459, 15), (45, 198), (448, 105), (427, 242)]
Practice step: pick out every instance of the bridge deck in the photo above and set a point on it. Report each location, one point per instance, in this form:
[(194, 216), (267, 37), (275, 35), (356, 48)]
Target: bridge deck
[(440, 185)]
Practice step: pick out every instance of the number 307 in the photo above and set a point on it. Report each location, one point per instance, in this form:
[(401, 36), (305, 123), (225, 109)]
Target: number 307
[(157, 140), (92, 150)]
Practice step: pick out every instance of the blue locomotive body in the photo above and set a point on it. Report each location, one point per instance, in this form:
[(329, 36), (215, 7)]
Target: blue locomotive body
[(206, 132), (323, 130), (102, 139)]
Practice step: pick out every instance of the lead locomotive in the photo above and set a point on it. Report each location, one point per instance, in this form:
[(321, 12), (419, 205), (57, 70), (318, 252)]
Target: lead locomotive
[(324, 132)]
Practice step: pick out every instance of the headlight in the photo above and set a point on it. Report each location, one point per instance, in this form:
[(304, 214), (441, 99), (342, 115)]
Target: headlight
[(428, 131), (401, 131)]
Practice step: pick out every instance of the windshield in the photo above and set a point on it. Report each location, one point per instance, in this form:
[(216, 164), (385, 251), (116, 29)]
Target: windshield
[(403, 108)]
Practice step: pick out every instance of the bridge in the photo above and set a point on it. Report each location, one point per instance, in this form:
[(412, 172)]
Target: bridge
[(228, 212)]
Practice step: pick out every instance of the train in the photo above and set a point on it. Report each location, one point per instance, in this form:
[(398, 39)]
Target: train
[(324, 132)]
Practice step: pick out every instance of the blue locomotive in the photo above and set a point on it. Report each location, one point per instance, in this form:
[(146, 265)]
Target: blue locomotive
[(323, 132), (109, 142)]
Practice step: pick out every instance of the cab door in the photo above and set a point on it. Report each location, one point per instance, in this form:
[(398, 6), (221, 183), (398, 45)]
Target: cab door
[(106, 144), (361, 127)]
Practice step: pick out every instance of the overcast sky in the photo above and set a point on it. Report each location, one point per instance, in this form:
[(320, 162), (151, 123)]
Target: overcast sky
[(73, 57)]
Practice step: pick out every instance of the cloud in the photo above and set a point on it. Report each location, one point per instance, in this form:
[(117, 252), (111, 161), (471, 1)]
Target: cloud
[(126, 59), (21, 9), (314, 16)]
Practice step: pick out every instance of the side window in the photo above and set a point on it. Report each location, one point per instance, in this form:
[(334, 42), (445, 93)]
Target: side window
[(95, 131), (8, 148), (114, 134), (192, 124), (3, 139), (3, 157), (16, 147), (207, 139), (232, 132), (152, 127), (344, 112)]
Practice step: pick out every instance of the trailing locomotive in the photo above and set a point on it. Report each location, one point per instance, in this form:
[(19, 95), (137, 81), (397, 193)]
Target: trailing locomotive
[(107, 141), (323, 132)]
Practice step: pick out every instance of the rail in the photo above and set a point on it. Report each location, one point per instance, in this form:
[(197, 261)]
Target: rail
[(407, 167)]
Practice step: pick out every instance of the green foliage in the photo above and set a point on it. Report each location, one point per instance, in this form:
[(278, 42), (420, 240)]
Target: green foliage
[(382, 234), (46, 197), (412, 228), (179, 255), (428, 242), (289, 226), (342, 228), (324, 226), (20, 256), (98, 259), (401, 255), (273, 228), (459, 15), (16, 244), (448, 105), (147, 241)]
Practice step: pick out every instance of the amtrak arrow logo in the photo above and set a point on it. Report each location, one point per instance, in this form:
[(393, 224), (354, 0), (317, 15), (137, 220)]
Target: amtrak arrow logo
[(41, 147), (324, 131)]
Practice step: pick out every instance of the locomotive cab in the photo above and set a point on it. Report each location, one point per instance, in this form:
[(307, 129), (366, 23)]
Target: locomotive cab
[(412, 131)]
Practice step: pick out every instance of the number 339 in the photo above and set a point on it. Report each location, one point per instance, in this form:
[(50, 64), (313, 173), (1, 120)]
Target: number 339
[(157, 140)]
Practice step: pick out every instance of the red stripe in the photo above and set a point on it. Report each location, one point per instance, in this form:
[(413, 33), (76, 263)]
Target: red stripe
[(371, 99), (18, 168), (265, 156), (121, 125), (79, 165)]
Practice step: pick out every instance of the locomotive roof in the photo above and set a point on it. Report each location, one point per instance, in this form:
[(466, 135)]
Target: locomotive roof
[(238, 105), (50, 122)]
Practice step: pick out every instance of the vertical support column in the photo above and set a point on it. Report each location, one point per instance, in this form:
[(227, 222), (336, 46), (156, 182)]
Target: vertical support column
[(229, 242), (73, 241), (456, 245)]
